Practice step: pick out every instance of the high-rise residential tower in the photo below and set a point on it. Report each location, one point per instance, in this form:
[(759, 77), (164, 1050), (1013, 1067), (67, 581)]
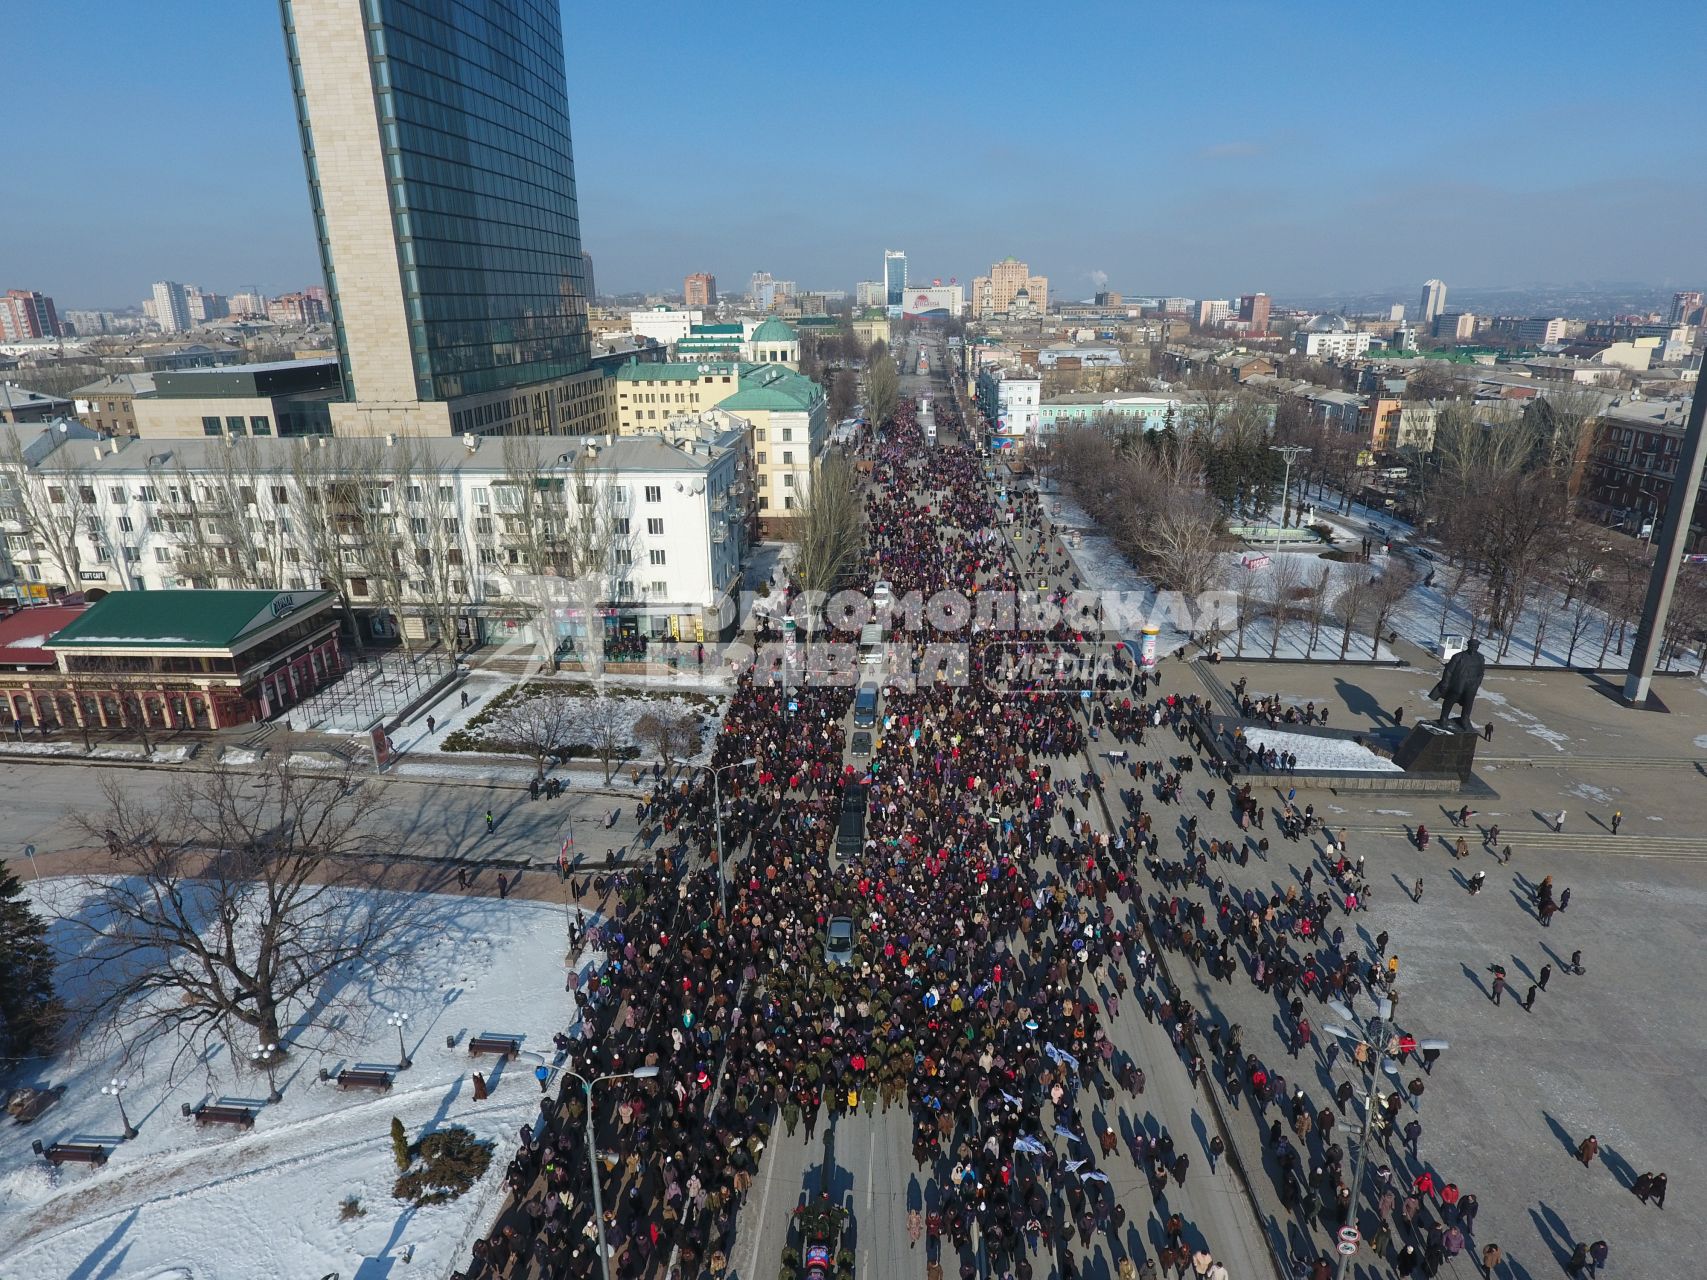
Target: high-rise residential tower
[(171, 306), (435, 134), (1433, 300), (996, 293), (699, 290), (24, 313), (894, 276)]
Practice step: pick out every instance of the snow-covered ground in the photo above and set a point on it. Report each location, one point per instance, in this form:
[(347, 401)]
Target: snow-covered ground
[(1103, 567), (1337, 755), (1417, 619), (219, 1203)]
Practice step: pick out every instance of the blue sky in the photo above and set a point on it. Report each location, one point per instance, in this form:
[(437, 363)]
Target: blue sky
[(1208, 149)]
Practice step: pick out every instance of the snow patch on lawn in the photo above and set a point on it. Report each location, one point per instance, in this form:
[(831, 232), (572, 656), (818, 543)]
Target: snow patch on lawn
[(184, 1202), (1338, 755)]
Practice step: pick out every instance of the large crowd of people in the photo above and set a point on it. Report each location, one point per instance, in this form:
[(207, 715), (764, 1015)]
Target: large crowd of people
[(1009, 903)]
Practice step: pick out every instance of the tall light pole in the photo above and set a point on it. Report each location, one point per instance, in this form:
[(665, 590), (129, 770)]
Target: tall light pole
[(1373, 1037), (268, 1056), (639, 1073), (717, 824), (115, 1089), (400, 1020), (1290, 452), (1674, 537)]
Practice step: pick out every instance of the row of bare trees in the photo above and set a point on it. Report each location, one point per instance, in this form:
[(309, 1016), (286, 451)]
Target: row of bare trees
[(387, 522), (546, 722), (1148, 493)]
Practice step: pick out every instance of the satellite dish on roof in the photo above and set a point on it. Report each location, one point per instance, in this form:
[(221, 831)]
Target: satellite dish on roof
[(699, 486)]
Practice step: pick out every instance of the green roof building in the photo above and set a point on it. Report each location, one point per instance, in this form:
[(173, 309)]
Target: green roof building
[(202, 659)]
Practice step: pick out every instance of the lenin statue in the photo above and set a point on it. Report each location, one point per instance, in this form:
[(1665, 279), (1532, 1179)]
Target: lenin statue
[(1458, 684)]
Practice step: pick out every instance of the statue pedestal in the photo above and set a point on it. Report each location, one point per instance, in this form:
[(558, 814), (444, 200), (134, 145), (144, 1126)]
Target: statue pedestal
[(1435, 748)]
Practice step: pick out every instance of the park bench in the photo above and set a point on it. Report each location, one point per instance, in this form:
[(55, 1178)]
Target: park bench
[(72, 1152), (358, 1078), (503, 1046), (215, 1113)]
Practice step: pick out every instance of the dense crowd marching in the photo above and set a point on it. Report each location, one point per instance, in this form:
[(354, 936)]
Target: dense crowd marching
[(1001, 924)]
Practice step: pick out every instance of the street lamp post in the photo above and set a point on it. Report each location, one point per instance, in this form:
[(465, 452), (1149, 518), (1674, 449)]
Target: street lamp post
[(268, 1056), (717, 824), (116, 1087), (400, 1020), (1372, 1036), (1290, 452), (639, 1073)]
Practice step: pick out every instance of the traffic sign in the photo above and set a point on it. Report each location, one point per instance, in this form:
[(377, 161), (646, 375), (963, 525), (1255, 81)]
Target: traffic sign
[(1348, 1235), (29, 851), (1347, 1247)]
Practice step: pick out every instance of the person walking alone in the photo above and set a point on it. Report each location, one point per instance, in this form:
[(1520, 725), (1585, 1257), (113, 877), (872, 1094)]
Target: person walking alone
[(1546, 973), (1499, 987), (1491, 1258), (1529, 998), (1617, 817), (490, 824), (1587, 1150)]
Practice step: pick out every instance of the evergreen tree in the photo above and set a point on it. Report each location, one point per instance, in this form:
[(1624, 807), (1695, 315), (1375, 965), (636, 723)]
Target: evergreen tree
[(30, 1013)]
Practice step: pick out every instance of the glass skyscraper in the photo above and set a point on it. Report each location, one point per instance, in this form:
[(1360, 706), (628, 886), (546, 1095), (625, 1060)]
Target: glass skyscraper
[(894, 275), (435, 134)]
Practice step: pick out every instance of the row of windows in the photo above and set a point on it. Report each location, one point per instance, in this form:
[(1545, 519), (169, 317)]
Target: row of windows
[(236, 425)]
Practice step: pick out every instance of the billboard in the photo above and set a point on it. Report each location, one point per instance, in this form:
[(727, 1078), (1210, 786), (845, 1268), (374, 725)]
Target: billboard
[(939, 302)]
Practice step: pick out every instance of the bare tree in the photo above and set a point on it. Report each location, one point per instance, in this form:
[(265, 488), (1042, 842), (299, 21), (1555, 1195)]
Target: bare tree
[(1316, 607), (439, 549), (320, 506), (377, 475), (1353, 598), (1386, 593), (831, 530), (53, 505), (882, 389), (603, 724), (537, 720), (235, 900), (1282, 584), (669, 732)]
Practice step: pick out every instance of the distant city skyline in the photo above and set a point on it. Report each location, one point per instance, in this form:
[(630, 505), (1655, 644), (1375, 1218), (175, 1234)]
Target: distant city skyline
[(1231, 195)]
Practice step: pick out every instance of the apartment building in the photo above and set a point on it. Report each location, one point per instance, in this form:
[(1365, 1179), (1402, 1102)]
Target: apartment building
[(423, 533)]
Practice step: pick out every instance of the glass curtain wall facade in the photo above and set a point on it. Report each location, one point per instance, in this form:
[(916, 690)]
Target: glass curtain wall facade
[(472, 107), (894, 276)]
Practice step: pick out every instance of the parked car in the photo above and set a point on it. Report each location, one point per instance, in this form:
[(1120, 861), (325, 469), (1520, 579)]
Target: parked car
[(862, 744)]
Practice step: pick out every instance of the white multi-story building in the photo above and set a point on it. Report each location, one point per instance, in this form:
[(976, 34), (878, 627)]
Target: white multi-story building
[(1330, 338), (663, 325), (1010, 399), (425, 532), (1212, 311)]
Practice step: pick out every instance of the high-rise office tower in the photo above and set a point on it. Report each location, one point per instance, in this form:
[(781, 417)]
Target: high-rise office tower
[(894, 276), (1433, 300), (435, 134), (171, 306), (699, 290), (1686, 306), (24, 313)]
